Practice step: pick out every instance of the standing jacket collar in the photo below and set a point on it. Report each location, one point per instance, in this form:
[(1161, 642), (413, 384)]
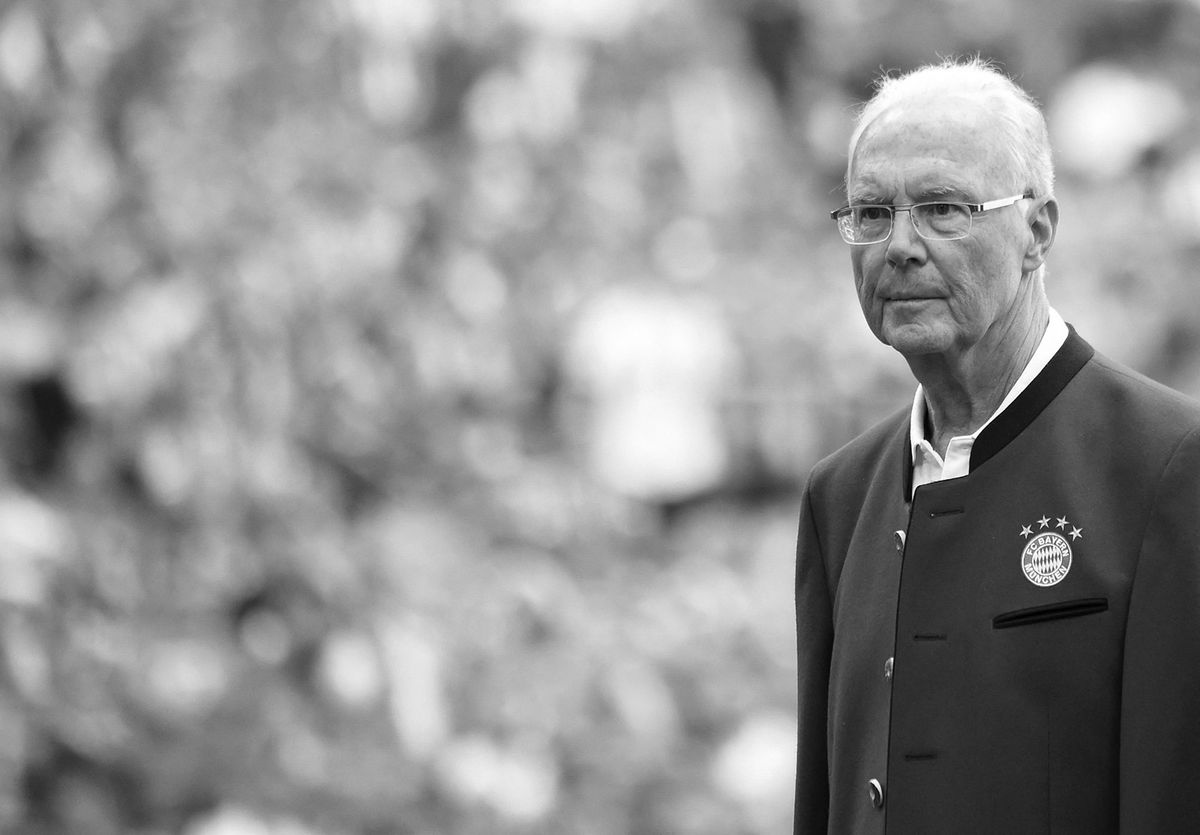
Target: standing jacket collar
[(1006, 425)]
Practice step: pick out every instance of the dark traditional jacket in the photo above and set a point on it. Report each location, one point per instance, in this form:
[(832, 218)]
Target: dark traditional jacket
[(1018, 650)]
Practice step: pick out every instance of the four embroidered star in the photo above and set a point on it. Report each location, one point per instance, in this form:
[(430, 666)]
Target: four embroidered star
[(1061, 523)]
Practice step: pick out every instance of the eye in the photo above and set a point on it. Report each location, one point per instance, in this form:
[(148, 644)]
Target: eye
[(873, 213), (941, 209)]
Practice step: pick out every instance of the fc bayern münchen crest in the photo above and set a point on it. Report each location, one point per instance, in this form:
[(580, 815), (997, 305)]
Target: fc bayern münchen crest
[(1047, 555)]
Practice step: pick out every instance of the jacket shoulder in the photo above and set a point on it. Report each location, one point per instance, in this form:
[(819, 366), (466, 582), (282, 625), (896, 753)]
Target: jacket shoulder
[(853, 465), (1142, 405)]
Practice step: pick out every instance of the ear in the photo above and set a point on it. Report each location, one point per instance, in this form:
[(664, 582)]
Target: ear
[(1043, 223)]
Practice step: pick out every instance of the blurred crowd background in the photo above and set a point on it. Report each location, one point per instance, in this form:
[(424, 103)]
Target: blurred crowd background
[(404, 403)]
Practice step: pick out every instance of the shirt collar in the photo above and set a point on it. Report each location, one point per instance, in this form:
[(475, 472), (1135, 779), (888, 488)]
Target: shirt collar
[(1052, 340)]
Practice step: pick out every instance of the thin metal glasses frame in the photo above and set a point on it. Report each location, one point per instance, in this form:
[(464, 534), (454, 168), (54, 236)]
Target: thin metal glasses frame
[(973, 208)]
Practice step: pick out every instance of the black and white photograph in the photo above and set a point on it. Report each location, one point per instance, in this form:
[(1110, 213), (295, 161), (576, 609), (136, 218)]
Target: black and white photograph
[(599, 417)]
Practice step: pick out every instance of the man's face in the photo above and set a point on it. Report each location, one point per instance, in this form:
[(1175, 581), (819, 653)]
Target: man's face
[(937, 297)]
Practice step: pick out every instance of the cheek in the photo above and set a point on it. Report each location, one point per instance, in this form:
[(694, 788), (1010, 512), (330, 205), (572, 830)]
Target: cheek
[(865, 274), (994, 280), (865, 284)]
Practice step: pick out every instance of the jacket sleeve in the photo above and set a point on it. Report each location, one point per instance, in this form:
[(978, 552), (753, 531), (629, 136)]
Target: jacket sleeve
[(1160, 707), (814, 641)]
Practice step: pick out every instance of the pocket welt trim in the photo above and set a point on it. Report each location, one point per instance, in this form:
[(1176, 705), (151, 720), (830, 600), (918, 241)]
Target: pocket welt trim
[(1051, 611)]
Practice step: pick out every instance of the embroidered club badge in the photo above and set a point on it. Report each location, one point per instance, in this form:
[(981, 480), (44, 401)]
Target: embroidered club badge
[(1046, 558)]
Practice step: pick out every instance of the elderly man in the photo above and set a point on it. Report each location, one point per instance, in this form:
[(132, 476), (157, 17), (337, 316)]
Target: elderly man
[(998, 588)]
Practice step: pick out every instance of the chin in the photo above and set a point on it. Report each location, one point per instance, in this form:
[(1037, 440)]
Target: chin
[(913, 340)]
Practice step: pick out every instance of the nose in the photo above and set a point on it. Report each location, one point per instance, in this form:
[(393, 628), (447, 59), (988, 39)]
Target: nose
[(904, 244)]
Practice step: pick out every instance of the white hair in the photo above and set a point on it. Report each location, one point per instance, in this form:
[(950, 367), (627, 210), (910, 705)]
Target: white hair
[(1019, 119)]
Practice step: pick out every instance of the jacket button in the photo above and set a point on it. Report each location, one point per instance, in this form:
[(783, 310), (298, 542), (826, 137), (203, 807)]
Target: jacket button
[(875, 788), (899, 536), (887, 668)]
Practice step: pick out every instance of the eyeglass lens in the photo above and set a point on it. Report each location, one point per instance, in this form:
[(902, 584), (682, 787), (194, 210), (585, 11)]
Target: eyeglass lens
[(867, 224)]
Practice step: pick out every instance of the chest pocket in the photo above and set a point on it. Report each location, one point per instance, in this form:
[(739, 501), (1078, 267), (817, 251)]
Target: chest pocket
[(1050, 611)]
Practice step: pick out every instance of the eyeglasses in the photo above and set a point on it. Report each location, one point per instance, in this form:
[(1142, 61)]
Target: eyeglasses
[(935, 221)]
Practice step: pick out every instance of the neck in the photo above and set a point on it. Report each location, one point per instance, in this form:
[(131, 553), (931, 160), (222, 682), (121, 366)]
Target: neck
[(963, 390)]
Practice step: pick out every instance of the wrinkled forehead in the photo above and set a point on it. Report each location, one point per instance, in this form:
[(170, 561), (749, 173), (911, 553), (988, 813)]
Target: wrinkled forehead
[(958, 138)]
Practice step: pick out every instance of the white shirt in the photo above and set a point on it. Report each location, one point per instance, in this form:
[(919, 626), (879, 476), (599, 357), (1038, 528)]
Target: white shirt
[(927, 465)]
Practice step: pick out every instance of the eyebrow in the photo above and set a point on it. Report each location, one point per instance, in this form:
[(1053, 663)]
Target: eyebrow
[(865, 198), (925, 195)]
